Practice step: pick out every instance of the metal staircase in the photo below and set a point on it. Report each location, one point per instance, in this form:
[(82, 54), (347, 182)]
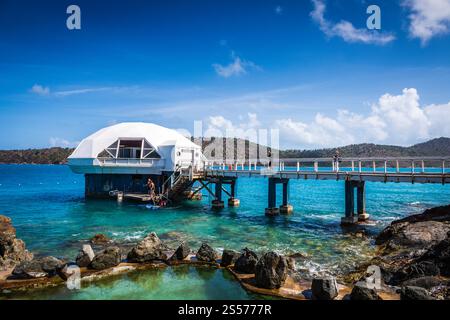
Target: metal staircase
[(176, 185)]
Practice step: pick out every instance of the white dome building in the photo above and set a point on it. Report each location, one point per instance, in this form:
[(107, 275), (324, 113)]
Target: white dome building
[(123, 156)]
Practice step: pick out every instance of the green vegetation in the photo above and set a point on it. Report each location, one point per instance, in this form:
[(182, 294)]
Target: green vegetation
[(37, 156)]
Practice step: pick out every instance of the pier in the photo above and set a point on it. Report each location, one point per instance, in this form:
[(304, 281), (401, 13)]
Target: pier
[(353, 172)]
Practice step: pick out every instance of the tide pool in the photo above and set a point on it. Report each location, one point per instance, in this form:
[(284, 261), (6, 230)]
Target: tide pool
[(50, 213)]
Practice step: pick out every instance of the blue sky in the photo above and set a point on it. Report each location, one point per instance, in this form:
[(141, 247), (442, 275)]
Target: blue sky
[(309, 68)]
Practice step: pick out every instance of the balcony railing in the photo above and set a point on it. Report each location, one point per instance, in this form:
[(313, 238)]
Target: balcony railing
[(130, 162)]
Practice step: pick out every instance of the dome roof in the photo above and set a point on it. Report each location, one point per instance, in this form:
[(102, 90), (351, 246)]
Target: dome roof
[(156, 135)]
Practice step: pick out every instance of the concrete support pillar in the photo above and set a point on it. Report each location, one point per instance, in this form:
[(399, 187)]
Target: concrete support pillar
[(286, 208), (350, 217), (272, 208), (361, 215), (217, 203), (233, 201), (361, 201)]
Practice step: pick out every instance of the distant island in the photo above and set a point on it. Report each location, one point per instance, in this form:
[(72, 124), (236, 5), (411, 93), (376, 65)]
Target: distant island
[(434, 147)]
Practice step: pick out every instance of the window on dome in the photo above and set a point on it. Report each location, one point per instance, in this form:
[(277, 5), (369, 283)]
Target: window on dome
[(130, 149)]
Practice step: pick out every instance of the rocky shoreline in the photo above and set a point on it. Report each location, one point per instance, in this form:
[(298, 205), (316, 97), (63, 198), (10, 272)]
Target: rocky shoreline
[(412, 257)]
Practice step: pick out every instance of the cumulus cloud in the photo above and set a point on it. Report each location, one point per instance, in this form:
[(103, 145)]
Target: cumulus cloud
[(393, 119), (63, 143), (40, 90), (346, 30), (237, 67), (428, 18), (219, 126)]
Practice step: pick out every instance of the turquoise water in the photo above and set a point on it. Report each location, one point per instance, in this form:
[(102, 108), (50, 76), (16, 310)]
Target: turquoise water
[(50, 214), (183, 282)]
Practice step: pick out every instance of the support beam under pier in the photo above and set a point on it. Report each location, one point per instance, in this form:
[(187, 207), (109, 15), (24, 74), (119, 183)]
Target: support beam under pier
[(217, 203), (272, 208), (350, 216)]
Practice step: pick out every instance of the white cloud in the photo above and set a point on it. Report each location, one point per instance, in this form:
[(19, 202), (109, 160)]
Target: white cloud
[(81, 91), (428, 18), (393, 119), (235, 68), (219, 126), (63, 143), (346, 30), (40, 90)]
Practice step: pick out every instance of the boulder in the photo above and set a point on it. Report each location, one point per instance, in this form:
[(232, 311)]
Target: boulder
[(415, 293), (271, 271), (424, 282), (12, 250), (420, 234), (228, 257), (38, 268), (324, 288), (206, 253), (182, 252), (290, 263), (246, 262), (108, 258), (361, 292), (99, 239), (149, 249), (85, 256)]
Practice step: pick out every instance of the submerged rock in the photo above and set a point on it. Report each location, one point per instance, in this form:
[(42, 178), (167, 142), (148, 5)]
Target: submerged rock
[(246, 262), (85, 256), (108, 258), (12, 250), (228, 257), (324, 288), (206, 253), (182, 252), (271, 271), (99, 239), (361, 292), (149, 249), (415, 293), (38, 268)]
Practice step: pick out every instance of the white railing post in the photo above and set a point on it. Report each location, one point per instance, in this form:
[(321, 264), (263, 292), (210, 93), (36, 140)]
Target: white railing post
[(359, 166), (316, 166), (397, 166), (298, 166), (423, 166), (412, 167), (443, 166), (374, 166), (353, 165), (385, 166)]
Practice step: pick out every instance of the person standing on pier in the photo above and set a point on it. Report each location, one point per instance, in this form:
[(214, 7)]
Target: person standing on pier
[(269, 155), (336, 159), (151, 188)]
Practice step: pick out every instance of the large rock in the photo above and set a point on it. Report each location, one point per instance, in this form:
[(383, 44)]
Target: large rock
[(85, 256), (324, 288), (361, 292), (182, 252), (271, 271), (100, 239), (206, 253), (108, 258), (229, 257), (246, 263), (38, 268), (149, 249), (424, 282), (420, 234), (415, 293), (12, 250)]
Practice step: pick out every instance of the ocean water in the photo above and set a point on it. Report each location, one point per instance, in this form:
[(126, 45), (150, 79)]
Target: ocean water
[(52, 216)]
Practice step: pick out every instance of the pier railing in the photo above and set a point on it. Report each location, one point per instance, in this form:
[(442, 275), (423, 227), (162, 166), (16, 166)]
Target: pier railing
[(436, 165)]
